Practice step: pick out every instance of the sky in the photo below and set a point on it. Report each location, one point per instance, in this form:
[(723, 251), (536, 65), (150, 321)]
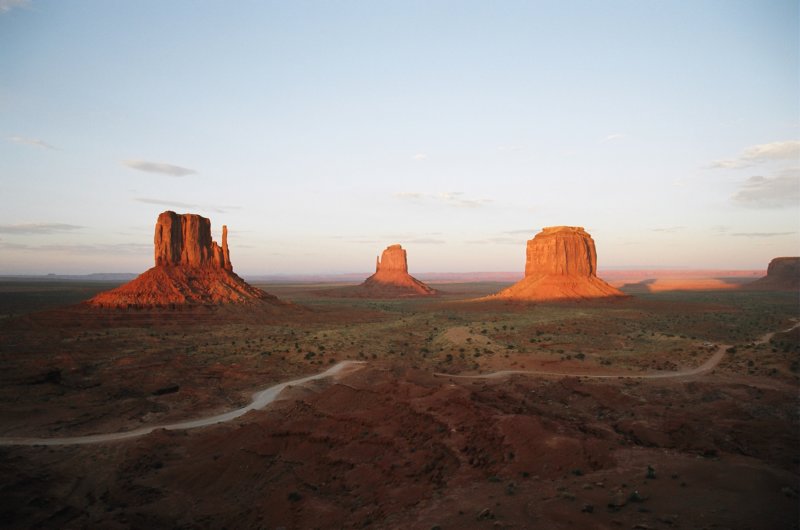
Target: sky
[(321, 132)]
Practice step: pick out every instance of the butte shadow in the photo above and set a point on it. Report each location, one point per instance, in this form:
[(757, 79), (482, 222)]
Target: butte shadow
[(391, 280), (561, 266)]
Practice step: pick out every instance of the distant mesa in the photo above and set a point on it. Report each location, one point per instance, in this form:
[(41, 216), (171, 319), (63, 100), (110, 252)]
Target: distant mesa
[(561, 264), (391, 279), (783, 274), (190, 269), (391, 275)]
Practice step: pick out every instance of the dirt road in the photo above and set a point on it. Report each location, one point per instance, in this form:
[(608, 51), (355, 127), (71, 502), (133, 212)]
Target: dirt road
[(260, 400), (706, 367)]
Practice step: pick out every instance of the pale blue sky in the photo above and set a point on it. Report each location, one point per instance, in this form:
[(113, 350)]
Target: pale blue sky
[(321, 132)]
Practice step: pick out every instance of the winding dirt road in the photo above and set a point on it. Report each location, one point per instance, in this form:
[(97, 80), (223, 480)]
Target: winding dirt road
[(268, 395), (706, 367), (260, 400)]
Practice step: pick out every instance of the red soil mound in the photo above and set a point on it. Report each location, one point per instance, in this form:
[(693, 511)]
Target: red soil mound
[(165, 286), (561, 265)]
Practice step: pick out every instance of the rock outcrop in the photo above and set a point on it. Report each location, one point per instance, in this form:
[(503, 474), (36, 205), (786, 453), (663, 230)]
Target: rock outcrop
[(190, 269), (391, 279), (783, 274), (561, 264), (186, 240)]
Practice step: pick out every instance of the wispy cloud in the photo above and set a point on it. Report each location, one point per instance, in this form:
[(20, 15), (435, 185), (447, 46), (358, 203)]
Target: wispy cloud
[(115, 248), (679, 183), (496, 240), (409, 195), (450, 198), (421, 238), (457, 198), (358, 241), (613, 137), (419, 157), (8, 5), (426, 241), (186, 205), (762, 234), (775, 151), (158, 167), (668, 229), (38, 228), (173, 204), (770, 192), (523, 231), (404, 240), (29, 141)]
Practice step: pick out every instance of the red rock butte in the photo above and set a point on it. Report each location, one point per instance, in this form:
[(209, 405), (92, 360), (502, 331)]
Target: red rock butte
[(561, 264), (391, 279), (783, 274), (190, 269)]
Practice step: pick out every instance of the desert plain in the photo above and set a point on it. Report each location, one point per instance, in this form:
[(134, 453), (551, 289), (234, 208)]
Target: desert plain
[(402, 440), (402, 320)]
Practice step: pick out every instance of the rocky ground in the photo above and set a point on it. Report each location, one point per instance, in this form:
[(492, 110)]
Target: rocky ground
[(393, 445)]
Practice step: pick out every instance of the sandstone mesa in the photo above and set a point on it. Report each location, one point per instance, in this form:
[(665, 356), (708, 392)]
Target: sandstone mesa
[(391, 279), (391, 274), (190, 269), (783, 274), (561, 264)]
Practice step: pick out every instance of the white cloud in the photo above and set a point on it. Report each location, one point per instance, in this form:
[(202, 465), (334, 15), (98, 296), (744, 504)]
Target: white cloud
[(524, 231), (102, 249), (402, 238), (457, 198), (158, 167), (420, 157), (612, 137), (173, 204), (409, 195), (426, 241), (770, 192), (186, 205), (762, 234), (8, 5), (30, 141), (38, 228), (668, 229), (756, 154), (497, 240), (449, 198)]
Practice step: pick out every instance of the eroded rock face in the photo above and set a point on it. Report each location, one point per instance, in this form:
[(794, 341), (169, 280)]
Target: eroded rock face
[(392, 259), (784, 268), (190, 268), (185, 240), (565, 250), (561, 264), (783, 274)]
